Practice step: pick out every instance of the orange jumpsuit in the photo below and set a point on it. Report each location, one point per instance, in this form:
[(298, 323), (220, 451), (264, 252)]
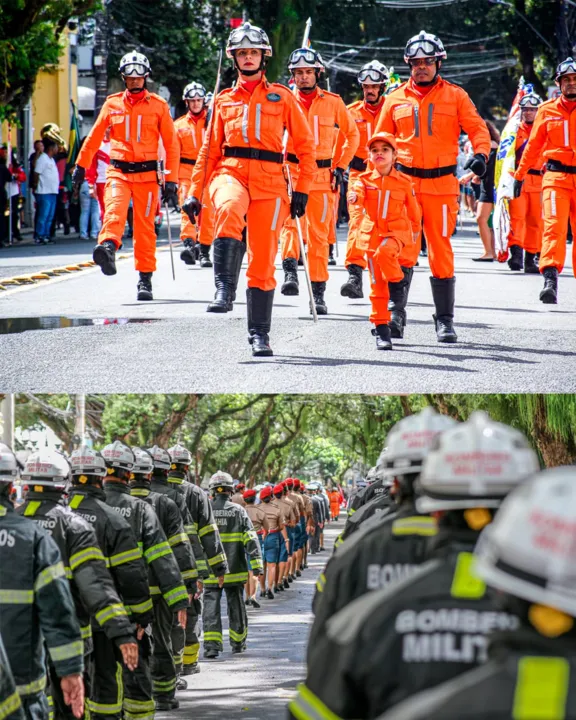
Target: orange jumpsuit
[(553, 136), (391, 223), (191, 131), (366, 122), (135, 134), (326, 115), (427, 127), (252, 191), (526, 211)]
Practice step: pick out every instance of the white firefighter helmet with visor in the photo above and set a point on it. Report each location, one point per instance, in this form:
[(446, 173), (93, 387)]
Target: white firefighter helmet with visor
[(179, 454), (530, 100), (424, 45), (567, 67), (117, 455), (143, 463), (221, 479), (134, 64), (248, 36), (305, 58), (373, 73), (87, 461), (193, 91), (160, 457), (46, 467)]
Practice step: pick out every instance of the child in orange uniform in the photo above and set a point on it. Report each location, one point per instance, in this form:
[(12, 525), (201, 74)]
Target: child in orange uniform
[(392, 221)]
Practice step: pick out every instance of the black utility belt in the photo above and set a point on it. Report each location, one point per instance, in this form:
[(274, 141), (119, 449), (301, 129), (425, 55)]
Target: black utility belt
[(427, 174), (358, 164), (534, 172), (320, 163), (248, 153), (555, 166), (187, 161), (135, 167)]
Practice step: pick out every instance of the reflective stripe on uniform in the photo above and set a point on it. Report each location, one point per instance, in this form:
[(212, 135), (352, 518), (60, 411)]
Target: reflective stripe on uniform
[(86, 632), (141, 607), (214, 636), (249, 535), (444, 220), (104, 709), (206, 529), (76, 500), (190, 574), (276, 214), (191, 653), (16, 597), (190, 530), (10, 705), (386, 203), (164, 686), (148, 205), (46, 576), (67, 651), (91, 553), (109, 612), (245, 125), (541, 688), (325, 208), (256, 564), (138, 706), (465, 583), (124, 557), (566, 134), (229, 578), (306, 706), (139, 492), (415, 525), (139, 128), (155, 590), (238, 637), (157, 551), (175, 595), (177, 539), (31, 508), (203, 565), (321, 582), (220, 558), (553, 203), (258, 121), (231, 537), (32, 688)]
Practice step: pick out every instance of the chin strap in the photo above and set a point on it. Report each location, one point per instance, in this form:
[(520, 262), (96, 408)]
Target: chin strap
[(250, 73), (429, 82)]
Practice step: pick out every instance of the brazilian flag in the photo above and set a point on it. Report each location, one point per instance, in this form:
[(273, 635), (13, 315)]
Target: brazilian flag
[(73, 145)]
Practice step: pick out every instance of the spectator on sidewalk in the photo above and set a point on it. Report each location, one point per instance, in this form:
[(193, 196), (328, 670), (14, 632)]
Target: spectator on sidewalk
[(5, 179), (38, 150), (47, 182), (90, 222), (18, 177)]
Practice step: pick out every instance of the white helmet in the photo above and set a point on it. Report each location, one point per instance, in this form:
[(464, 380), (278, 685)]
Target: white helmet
[(118, 455), (305, 58), (476, 463), (179, 454), (160, 457), (424, 45), (530, 549), (410, 439), (46, 467), (530, 100), (567, 67), (371, 476), (221, 479), (248, 36), (194, 90), (87, 461), (8, 464), (143, 463), (373, 72), (134, 64)]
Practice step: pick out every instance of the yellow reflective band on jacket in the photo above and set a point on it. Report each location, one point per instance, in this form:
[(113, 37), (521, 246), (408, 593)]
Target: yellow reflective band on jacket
[(175, 480), (3, 511), (50, 706), (191, 653), (321, 583), (229, 578), (124, 557), (203, 565), (75, 501), (155, 590), (139, 706), (16, 597), (175, 595), (232, 537), (465, 583), (238, 637), (10, 705), (220, 558), (139, 492), (256, 563), (109, 612), (351, 512), (31, 508), (86, 632), (65, 652), (32, 688), (207, 529), (177, 539), (178, 657), (48, 575), (69, 574), (339, 540), (91, 553), (214, 636), (190, 529), (141, 607), (190, 574), (306, 706), (164, 686), (104, 709), (415, 525), (157, 551), (249, 535), (541, 688)]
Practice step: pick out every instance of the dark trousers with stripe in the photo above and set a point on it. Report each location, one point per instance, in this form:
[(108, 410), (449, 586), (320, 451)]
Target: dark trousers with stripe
[(212, 618), (58, 708), (162, 666)]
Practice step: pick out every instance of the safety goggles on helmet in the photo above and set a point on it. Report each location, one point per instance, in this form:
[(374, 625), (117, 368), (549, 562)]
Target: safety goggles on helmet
[(86, 461), (8, 464), (424, 45), (134, 70), (194, 90), (567, 67), (530, 100), (248, 36), (134, 64), (305, 58), (373, 73), (46, 468)]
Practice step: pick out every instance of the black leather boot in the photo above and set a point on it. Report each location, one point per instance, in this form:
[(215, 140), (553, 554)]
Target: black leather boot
[(530, 265), (549, 294), (443, 294), (318, 290), (259, 303), (205, 261), (290, 284), (331, 258), (238, 270), (516, 257), (352, 288), (382, 335), (397, 304), (188, 255), (105, 256), (226, 253), (145, 286)]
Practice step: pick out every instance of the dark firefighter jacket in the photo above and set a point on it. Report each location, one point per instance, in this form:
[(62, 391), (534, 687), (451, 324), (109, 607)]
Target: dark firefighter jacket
[(36, 605), (10, 703)]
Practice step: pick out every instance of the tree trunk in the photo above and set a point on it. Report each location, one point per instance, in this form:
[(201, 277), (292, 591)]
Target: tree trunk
[(554, 450)]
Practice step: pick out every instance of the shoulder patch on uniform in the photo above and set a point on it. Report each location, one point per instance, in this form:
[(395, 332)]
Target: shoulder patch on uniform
[(273, 97)]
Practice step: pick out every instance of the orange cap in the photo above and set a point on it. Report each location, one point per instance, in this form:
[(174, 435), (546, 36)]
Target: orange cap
[(384, 137)]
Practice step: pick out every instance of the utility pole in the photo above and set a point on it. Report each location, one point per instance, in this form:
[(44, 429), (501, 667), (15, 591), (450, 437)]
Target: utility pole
[(100, 57), (80, 421), (7, 412)]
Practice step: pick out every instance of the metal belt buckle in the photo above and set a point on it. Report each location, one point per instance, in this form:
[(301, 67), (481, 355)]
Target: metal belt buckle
[(132, 166), (254, 153)]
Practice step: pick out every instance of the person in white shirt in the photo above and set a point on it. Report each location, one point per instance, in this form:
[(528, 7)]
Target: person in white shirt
[(47, 182)]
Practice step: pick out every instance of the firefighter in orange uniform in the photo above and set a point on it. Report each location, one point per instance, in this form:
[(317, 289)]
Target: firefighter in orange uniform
[(241, 163), (191, 129), (327, 114), (554, 137), (390, 227), (426, 115), (138, 120), (525, 237), (372, 79)]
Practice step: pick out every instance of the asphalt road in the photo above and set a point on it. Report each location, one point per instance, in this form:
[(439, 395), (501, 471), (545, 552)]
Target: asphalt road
[(258, 684), (509, 341)]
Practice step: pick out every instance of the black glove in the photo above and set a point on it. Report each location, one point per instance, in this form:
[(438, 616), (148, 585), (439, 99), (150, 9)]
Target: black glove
[(517, 188), (169, 192), (477, 164), (337, 178), (192, 207), (298, 204), (78, 175)]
